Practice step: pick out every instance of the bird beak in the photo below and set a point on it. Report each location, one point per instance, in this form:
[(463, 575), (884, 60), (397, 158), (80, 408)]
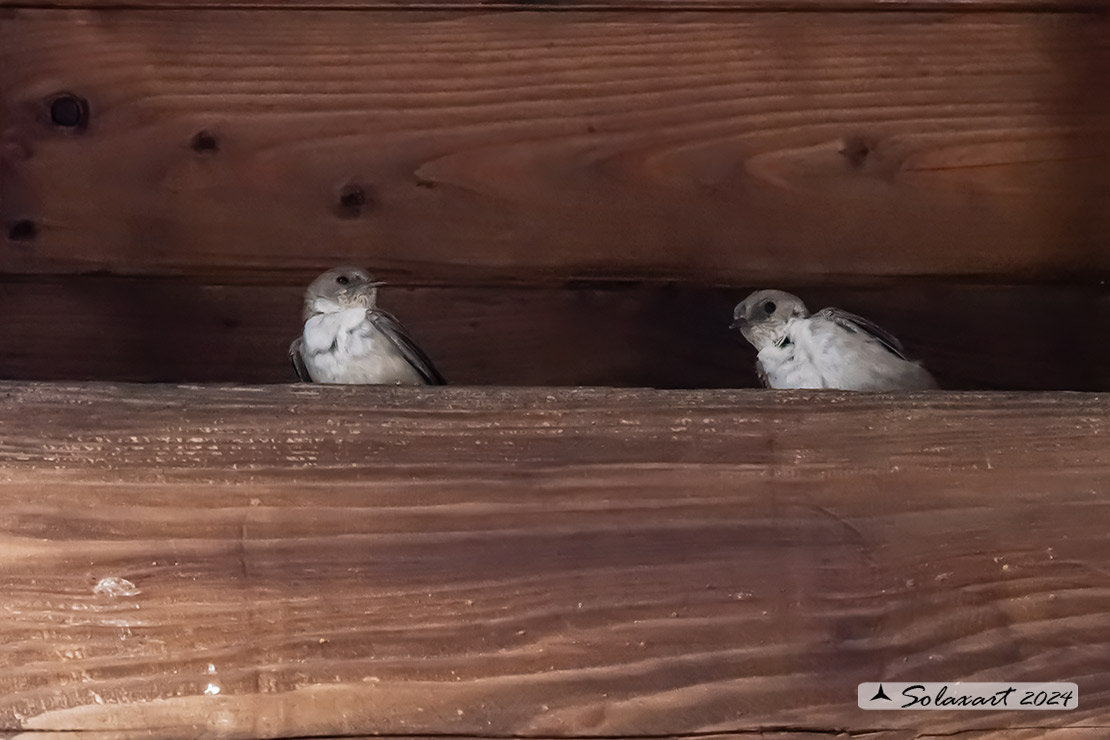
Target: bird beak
[(376, 284), (737, 324)]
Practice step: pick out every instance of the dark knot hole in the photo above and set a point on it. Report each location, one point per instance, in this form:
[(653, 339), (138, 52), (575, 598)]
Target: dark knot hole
[(69, 111), (23, 230), (204, 142), (353, 200)]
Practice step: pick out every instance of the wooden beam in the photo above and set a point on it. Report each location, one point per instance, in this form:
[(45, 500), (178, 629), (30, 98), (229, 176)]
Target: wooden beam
[(1095, 733), (971, 336), (1087, 733), (1072, 733), (466, 147), (1081, 6), (300, 561)]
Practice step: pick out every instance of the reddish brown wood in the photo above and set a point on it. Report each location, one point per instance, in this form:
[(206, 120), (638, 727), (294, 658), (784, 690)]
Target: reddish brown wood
[(971, 336), (1093, 733), (695, 5), (715, 147), (543, 563)]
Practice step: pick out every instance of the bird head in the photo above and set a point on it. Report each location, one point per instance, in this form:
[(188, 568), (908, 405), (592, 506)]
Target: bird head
[(339, 289), (762, 316)]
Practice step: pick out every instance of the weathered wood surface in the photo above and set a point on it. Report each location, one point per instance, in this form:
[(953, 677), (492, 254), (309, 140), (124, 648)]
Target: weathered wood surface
[(737, 5), (970, 336), (733, 147), (497, 563), (1020, 733), (1011, 733)]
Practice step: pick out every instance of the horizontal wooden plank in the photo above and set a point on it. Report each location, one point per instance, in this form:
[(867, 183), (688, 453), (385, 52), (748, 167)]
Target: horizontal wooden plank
[(1092, 732), (1095, 733), (971, 336), (299, 561), (1084, 6), (468, 147), (1088, 733)]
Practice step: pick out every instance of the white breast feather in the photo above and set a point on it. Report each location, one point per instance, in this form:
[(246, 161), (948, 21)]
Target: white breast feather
[(343, 347), (823, 354), (790, 366)]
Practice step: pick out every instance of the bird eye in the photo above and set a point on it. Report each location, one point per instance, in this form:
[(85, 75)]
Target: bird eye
[(769, 307), (342, 280)]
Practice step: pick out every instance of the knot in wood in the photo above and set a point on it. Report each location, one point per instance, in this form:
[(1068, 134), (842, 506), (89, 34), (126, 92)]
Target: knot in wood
[(69, 111)]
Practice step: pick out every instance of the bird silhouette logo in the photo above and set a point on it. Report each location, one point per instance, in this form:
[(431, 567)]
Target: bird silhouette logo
[(881, 695)]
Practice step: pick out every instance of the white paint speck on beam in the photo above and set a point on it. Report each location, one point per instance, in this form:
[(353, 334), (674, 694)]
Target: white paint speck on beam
[(113, 586)]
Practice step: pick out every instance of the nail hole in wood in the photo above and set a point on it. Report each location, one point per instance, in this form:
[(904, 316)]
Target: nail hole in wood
[(69, 111), (204, 142), (856, 150), (353, 200), (23, 230)]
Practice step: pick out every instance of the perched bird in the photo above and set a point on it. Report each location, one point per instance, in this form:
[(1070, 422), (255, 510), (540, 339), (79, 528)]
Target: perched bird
[(347, 339), (830, 349)]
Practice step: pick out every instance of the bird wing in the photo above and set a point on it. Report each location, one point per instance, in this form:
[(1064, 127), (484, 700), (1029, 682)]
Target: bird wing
[(298, 361), (394, 331), (858, 324), (762, 374)]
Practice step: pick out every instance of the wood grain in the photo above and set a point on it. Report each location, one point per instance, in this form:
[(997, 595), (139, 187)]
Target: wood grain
[(1027, 733), (1009, 733), (971, 336), (543, 563), (632, 5), (714, 147)]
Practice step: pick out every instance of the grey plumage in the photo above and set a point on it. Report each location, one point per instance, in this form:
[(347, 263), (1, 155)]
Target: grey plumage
[(298, 361), (829, 349), (348, 339)]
